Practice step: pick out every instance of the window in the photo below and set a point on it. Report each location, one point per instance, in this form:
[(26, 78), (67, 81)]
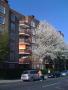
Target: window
[(12, 26), (1, 30), (2, 9), (12, 56), (13, 17), (33, 39), (33, 31), (2, 20), (22, 46), (33, 72), (32, 24)]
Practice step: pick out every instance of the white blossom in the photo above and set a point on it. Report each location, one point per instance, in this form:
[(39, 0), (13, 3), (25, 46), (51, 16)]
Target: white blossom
[(48, 40)]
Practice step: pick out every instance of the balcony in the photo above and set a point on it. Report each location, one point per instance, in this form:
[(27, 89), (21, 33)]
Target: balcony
[(24, 61), (25, 51), (24, 32), (24, 41), (24, 24)]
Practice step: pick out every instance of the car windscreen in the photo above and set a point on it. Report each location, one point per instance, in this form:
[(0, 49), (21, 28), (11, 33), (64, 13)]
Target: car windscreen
[(25, 72)]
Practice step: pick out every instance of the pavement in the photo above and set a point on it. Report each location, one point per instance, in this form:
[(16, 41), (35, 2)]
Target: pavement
[(9, 81)]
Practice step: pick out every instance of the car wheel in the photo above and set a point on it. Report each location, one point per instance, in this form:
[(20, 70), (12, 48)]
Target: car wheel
[(31, 79)]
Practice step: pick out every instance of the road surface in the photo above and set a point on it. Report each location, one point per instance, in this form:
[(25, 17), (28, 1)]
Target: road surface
[(49, 84)]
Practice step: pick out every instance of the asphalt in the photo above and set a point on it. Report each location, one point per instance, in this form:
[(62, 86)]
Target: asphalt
[(9, 81), (49, 84)]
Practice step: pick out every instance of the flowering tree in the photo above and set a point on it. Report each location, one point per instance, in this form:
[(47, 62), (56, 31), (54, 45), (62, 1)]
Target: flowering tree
[(65, 51), (48, 41)]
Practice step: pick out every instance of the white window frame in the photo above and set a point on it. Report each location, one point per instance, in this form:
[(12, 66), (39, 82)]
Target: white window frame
[(3, 22), (2, 9)]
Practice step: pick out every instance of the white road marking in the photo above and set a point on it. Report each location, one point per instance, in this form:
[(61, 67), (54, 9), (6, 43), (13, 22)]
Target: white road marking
[(50, 85), (60, 88)]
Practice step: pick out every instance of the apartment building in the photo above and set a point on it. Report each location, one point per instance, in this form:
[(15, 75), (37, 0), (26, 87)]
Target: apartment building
[(9, 32), (14, 18), (4, 30), (27, 27), (4, 16), (20, 32), (34, 24)]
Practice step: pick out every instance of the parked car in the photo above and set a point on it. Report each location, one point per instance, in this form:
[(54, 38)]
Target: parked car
[(57, 74), (54, 74), (30, 75), (64, 73), (50, 75)]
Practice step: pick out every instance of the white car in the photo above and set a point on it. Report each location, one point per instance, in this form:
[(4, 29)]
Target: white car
[(30, 75)]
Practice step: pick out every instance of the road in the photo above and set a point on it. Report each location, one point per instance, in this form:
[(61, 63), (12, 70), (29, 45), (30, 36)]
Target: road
[(49, 84)]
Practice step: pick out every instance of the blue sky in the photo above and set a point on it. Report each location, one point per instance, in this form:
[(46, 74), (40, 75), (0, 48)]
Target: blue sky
[(53, 11)]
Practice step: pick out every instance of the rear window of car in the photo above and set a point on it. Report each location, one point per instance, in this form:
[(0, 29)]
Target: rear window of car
[(30, 71), (25, 72), (33, 72)]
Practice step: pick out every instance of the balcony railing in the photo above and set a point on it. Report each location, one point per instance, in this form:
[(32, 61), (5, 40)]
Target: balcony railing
[(24, 24), (24, 32), (24, 61), (25, 51), (28, 31), (25, 41)]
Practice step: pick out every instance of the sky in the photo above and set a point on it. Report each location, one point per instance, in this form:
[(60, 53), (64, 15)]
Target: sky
[(53, 11)]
